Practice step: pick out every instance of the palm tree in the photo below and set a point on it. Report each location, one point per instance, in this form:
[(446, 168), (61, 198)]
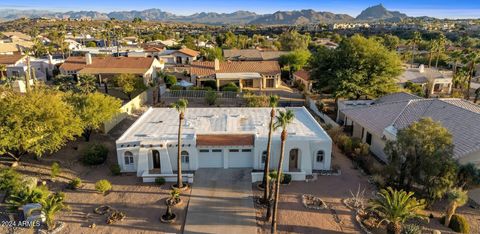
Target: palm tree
[(457, 197), (472, 58), (460, 79), (442, 40), (417, 38), (433, 45), (455, 58), (282, 121), (273, 101), (396, 207), (181, 107)]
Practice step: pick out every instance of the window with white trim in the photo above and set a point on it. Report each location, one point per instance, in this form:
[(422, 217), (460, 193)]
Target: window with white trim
[(185, 157), (128, 156), (320, 155)]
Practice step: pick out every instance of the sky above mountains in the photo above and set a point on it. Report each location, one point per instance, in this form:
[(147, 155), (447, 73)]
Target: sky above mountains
[(434, 8)]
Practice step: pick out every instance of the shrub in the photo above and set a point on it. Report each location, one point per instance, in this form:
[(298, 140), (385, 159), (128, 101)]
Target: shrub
[(230, 87), (25, 196), (211, 98), (160, 180), (55, 170), (320, 105), (252, 100), (286, 178), (96, 154), (10, 180), (411, 229), (345, 143), (170, 80), (115, 169), (176, 87), (75, 183), (103, 186), (458, 224)]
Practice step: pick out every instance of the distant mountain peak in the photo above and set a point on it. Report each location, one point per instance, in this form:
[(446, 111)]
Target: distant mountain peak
[(379, 12)]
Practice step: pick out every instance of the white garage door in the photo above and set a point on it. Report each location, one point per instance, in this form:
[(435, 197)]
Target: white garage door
[(210, 158), (240, 158)]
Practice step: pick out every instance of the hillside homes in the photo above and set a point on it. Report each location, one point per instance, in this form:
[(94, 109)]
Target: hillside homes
[(256, 75), (375, 122), (252, 55)]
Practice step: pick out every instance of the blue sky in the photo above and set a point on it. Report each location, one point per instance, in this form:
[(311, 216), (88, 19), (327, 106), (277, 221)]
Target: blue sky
[(436, 8)]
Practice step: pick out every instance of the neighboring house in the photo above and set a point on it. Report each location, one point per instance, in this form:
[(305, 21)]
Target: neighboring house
[(221, 138), (246, 74), (433, 81), (107, 67), (252, 55), (73, 45), (184, 56), (17, 66), (303, 77), (378, 121), (15, 36)]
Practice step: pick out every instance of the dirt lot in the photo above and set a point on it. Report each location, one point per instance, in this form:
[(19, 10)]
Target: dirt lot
[(143, 203)]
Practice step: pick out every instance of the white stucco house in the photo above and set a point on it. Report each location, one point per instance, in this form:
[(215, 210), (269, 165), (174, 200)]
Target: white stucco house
[(220, 138)]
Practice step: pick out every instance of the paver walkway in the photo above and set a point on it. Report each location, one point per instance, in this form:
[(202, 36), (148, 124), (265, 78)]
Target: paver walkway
[(221, 202)]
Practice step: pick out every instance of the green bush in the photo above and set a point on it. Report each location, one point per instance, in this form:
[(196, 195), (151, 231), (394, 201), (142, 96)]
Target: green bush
[(10, 180), (115, 169), (459, 224), (75, 183), (230, 87), (411, 229), (176, 87), (170, 80), (253, 100), (103, 186), (211, 98), (160, 180), (345, 143), (286, 178), (25, 196), (55, 170), (96, 154)]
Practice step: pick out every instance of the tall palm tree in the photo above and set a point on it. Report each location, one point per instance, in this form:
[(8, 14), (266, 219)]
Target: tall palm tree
[(457, 197), (417, 38), (433, 47), (273, 101), (472, 58), (441, 42), (181, 107), (283, 119), (396, 207), (455, 58)]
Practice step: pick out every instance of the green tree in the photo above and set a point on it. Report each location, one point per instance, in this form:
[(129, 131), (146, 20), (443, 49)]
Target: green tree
[(457, 197), (94, 109), (37, 122), (391, 42), (91, 44), (433, 48), (213, 53), (396, 207), (357, 67), (471, 58), (273, 101), (441, 43), (414, 88), (129, 84), (295, 60), (292, 40), (181, 107), (283, 119), (211, 97), (422, 155), (414, 41), (86, 83)]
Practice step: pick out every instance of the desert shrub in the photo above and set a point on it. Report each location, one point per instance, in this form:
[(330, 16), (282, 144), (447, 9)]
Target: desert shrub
[(10, 180), (211, 97), (230, 87), (459, 224), (286, 178), (115, 169), (29, 182), (345, 143), (335, 133), (176, 87), (95, 154), (253, 100), (320, 105), (25, 196), (170, 80), (55, 170), (379, 180), (160, 180), (103, 186), (75, 183), (411, 229), (361, 149)]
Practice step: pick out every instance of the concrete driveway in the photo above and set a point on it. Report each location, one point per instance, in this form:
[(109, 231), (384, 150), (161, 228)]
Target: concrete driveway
[(221, 202)]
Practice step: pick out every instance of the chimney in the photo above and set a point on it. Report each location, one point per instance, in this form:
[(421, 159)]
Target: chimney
[(421, 68), (88, 58), (217, 65)]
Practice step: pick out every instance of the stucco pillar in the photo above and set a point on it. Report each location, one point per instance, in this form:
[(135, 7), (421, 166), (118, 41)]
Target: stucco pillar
[(165, 163), (218, 84), (142, 163), (225, 158)]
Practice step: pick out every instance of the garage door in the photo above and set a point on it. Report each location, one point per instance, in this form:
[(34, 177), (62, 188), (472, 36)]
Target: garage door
[(210, 158), (240, 158)]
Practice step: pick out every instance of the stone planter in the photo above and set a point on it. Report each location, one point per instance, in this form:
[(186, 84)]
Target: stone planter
[(185, 187), (165, 219), (174, 202), (312, 202)]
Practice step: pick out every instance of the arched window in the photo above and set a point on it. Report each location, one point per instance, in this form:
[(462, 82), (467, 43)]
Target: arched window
[(185, 157), (128, 156), (264, 156), (320, 156)]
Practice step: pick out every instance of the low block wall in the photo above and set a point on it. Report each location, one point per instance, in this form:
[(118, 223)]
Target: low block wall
[(312, 105), (146, 177), (296, 176)]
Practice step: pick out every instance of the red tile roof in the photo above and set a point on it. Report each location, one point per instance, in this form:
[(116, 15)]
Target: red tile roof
[(225, 140), (10, 59), (189, 52), (262, 67), (302, 74), (108, 64)]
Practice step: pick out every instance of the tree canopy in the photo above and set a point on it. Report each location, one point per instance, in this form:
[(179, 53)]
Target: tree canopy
[(37, 122), (292, 40), (295, 60), (357, 67), (129, 83), (422, 156)]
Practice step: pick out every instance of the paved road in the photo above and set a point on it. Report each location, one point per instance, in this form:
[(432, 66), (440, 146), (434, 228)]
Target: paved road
[(221, 202)]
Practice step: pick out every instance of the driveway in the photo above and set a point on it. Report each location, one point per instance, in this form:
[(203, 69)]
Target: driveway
[(221, 202)]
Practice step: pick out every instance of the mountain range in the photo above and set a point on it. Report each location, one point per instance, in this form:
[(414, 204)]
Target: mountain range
[(373, 13)]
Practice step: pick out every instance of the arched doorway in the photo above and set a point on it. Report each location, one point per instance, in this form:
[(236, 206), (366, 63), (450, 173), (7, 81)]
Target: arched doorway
[(185, 161), (156, 159), (293, 160), (129, 164)]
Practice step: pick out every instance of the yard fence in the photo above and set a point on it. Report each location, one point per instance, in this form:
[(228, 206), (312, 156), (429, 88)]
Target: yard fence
[(197, 97), (311, 103)]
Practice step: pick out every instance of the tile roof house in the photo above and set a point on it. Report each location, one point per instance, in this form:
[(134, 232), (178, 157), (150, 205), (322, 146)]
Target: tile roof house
[(433, 81), (183, 56), (252, 55), (220, 138), (105, 67), (17, 65), (380, 120), (246, 74), (303, 77)]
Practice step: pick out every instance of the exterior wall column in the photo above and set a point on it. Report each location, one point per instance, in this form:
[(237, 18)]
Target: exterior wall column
[(142, 163), (225, 158), (240, 85), (218, 84)]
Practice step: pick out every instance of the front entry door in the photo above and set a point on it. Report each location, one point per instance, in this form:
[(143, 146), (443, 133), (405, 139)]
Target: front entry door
[(156, 159), (293, 162)]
